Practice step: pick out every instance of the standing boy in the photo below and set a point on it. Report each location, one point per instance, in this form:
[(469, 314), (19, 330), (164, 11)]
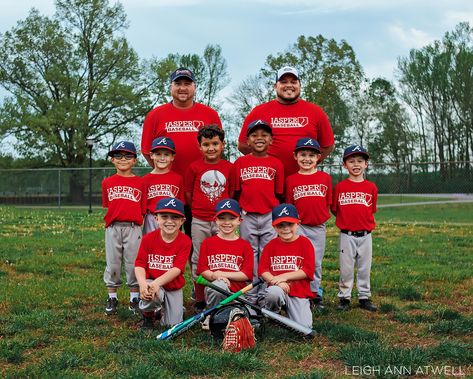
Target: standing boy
[(287, 266), (123, 196), (259, 188), (161, 182), (208, 180), (310, 191), (354, 203), (160, 265)]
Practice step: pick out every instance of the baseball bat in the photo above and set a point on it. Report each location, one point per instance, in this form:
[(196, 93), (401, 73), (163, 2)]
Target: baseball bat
[(285, 322), (190, 322)]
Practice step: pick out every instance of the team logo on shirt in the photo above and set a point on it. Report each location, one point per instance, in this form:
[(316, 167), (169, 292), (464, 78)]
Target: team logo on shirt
[(257, 172), (161, 262), (346, 198), (162, 190), (183, 126), (286, 263), (124, 192), (224, 261), (289, 122), (308, 190), (212, 184)]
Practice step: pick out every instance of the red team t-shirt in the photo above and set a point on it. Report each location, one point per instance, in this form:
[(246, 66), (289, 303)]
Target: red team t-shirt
[(181, 125), (311, 195), (209, 183), (289, 123), (217, 254), (125, 199), (259, 179), (157, 257), (159, 186), (354, 204), (279, 257)]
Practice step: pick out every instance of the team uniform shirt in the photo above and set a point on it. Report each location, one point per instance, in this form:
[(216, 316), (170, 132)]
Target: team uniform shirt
[(291, 122), (354, 204), (217, 254), (159, 186), (311, 195), (157, 257), (279, 257), (125, 199), (259, 179), (209, 183), (182, 126)]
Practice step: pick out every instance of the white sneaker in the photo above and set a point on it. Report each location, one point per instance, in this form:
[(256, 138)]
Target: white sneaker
[(206, 323)]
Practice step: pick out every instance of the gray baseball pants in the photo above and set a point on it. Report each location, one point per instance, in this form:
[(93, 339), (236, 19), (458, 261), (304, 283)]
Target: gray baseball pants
[(317, 236), (200, 230), (149, 223)]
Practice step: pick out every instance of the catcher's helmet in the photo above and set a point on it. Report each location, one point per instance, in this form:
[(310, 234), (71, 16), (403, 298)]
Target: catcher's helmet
[(219, 319)]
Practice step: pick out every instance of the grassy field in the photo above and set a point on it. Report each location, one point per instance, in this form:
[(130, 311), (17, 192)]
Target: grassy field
[(52, 322)]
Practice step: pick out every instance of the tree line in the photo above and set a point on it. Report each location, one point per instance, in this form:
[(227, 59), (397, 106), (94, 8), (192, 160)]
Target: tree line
[(75, 75)]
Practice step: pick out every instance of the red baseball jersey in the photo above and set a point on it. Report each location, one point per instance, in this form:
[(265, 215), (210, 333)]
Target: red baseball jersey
[(311, 195), (259, 179), (209, 183), (159, 186), (354, 204), (217, 254), (157, 257), (182, 126), (289, 123), (279, 257), (124, 198)]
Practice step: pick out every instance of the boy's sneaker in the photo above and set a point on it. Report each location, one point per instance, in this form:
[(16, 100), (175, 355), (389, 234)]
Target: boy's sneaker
[(111, 307), (206, 323), (343, 305), (368, 305), (199, 307), (135, 306), (317, 304), (148, 322)]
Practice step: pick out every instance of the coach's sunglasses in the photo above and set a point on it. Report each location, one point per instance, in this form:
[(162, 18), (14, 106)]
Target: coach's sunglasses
[(119, 156)]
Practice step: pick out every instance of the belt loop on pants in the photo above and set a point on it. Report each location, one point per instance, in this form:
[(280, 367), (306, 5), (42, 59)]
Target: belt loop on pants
[(358, 233)]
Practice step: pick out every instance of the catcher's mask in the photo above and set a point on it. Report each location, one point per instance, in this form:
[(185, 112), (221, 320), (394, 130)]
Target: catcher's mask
[(219, 319)]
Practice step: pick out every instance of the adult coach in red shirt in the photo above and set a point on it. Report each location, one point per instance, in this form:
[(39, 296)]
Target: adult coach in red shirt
[(291, 118)]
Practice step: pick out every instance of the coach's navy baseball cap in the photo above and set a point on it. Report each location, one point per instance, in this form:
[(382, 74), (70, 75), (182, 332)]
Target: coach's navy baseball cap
[(285, 213), (307, 143), (127, 146), (170, 205), (182, 72), (228, 206), (258, 124), (163, 143), (287, 70), (355, 150)]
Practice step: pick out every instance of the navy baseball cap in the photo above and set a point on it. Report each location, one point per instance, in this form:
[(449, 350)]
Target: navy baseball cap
[(285, 213), (287, 70), (355, 150), (228, 206), (163, 143), (307, 143), (170, 205), (182, 72), (127, 146), (258, 124)]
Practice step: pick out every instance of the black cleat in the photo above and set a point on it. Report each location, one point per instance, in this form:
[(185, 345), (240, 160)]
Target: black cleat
[(343, 305), (368, 305), (135, 306), (111, 307), (148, 323)]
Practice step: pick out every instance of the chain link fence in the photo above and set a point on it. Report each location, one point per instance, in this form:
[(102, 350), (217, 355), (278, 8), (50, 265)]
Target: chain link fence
[(56, 186)]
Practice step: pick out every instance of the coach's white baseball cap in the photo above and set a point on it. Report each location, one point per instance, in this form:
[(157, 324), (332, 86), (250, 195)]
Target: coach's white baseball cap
[(287, 70)]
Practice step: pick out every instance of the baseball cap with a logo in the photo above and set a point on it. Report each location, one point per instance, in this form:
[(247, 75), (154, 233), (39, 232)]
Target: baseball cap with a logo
[(287, 70), (285, 213), (127, 146), (182, 72), (228, 206), (258, 124), (355, 150), (163, 143), (307, 143), (170, 205)]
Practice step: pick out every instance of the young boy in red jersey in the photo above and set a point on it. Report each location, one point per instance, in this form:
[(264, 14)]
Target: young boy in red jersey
[(123, 196), (225, 259), (310, 191), (162, 181), (160, 265), (259, 188), (354, 203), (287, 265), (208, 180)]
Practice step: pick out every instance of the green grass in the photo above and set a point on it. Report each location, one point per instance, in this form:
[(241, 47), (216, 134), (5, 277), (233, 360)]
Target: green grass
[(52, 322)]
